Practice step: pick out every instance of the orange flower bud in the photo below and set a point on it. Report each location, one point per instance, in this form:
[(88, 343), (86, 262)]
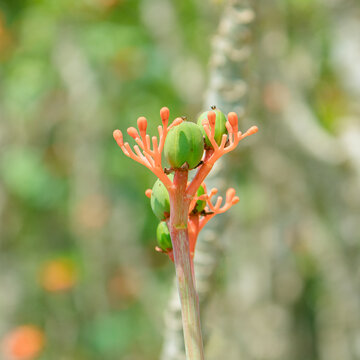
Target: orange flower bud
[(142, 123), (164, 114), (118, 136), (233, 120), (133, 132)]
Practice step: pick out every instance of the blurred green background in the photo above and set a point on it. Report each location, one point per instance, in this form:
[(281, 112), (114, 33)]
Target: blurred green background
[(77, 234)]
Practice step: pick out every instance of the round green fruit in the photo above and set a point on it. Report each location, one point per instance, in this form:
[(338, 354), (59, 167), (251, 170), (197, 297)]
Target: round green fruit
[(200, 204), (184, 144), (163, 236), (220, 126), (160, 201)]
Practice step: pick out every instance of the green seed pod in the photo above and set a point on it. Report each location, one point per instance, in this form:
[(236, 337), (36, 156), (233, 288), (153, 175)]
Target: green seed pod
[(184, 143), (163, 236), (200, 204), (160, 201), (220, 127)]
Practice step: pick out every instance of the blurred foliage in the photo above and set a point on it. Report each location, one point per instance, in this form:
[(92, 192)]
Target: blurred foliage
[(77, 234), (71, 72)]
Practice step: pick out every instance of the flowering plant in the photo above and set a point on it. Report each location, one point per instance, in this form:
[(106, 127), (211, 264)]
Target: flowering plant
[(185, 206)]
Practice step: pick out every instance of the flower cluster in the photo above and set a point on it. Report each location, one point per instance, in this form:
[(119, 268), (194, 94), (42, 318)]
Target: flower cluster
[(186, 146)]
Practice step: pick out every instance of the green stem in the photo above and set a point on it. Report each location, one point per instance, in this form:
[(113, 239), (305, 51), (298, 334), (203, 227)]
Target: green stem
[(179, 207)]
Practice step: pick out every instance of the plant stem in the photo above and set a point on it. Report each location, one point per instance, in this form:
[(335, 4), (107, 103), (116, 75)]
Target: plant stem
[(179, 207)]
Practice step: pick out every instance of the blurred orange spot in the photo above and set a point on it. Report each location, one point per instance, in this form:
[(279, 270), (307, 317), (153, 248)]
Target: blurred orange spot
[(92, 212), (23, 343), (275, 96), (129, 63), (5, 38), (109, 3), (124, 285), (58, 275)]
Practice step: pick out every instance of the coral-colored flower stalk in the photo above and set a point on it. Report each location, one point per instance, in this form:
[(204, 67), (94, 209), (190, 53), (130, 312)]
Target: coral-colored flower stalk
[(185, 222), (151, 158)]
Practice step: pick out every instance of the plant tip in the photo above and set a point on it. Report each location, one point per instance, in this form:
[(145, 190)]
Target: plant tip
[(211, 117), (233, 119), (133, 132), (142, 123), (118, 136), (164, 114)]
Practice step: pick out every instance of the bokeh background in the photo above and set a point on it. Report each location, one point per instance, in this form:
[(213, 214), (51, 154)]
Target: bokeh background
[(79, 277)]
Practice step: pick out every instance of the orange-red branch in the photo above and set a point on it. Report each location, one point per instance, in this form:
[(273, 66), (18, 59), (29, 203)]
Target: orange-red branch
[(184, 223), (228, 143), (148, 151), (143, 154), (198, 221)]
